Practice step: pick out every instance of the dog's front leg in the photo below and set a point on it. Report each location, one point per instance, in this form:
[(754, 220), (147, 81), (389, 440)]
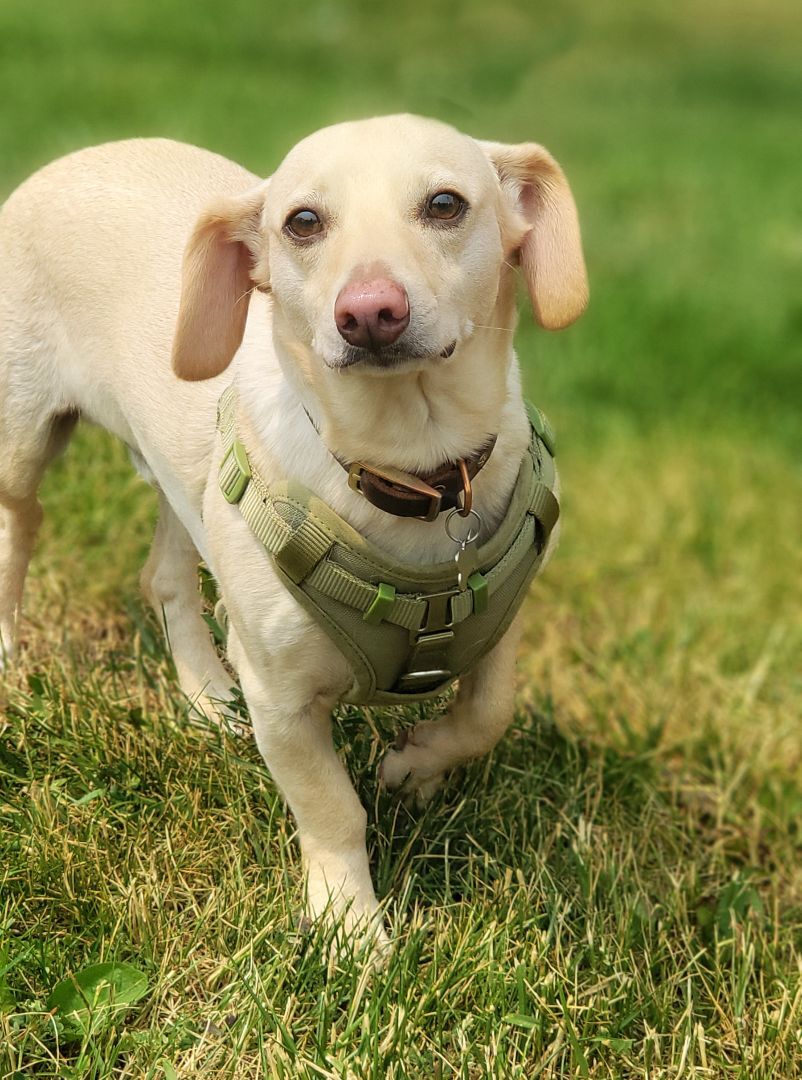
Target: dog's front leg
[(479, 716), (293, 732)]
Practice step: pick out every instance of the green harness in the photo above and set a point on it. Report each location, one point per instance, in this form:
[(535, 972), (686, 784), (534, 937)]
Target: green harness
[(407, 631)]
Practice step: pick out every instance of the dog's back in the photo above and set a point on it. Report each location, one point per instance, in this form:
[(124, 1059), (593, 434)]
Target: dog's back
[(94, 241)]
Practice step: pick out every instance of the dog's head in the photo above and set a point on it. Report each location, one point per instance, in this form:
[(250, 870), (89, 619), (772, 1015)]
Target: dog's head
[(384, 244)]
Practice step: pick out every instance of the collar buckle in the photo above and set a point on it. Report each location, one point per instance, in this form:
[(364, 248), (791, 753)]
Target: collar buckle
[(408, 482)]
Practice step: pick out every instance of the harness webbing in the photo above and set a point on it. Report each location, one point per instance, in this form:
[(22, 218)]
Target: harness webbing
[(403, 634)]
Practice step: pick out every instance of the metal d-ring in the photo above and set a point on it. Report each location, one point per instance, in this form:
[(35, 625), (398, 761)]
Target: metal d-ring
[(473, 533)]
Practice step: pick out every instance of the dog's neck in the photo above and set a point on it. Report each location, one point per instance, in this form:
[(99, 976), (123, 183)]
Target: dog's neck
[(409, 421), (416, 420)]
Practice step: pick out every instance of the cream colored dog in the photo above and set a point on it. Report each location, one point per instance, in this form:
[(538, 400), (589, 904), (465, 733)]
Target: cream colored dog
[(378, 262)]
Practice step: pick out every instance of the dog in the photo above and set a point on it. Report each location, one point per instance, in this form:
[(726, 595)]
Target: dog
[(361, 301)]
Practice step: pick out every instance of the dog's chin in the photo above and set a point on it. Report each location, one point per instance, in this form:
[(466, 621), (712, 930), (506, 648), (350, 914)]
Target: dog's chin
[(390, 360)]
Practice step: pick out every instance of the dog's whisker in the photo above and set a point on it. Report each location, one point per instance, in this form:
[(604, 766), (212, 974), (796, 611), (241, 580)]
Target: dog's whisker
[(247, 294)]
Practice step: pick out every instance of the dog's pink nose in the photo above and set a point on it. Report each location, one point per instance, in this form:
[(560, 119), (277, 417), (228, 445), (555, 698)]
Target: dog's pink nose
[(371, 314)]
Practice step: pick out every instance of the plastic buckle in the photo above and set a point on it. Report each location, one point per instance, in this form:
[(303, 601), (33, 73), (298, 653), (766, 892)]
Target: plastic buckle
[(382, 604), (233, 481), (438, 613), (477, 583)]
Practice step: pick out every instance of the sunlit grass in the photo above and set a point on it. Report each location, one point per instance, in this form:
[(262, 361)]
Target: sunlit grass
[(618, 884)]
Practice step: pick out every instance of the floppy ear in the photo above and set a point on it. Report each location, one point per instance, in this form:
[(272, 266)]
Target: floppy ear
[(540, 223), (221, 266)]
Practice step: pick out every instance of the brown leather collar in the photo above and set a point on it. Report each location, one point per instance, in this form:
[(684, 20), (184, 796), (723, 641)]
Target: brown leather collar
[(408, 495), (411, 496)]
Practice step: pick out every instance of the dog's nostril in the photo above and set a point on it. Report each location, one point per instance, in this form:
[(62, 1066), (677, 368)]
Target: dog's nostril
[(385, 315)]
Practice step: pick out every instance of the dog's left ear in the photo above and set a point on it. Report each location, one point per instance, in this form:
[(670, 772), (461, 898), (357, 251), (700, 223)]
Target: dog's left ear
[(223, 261), (540, 224)]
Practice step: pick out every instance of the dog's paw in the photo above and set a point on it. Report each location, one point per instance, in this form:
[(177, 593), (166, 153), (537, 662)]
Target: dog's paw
[(361, 941), (352, 915), (218, 708), (413, 767)]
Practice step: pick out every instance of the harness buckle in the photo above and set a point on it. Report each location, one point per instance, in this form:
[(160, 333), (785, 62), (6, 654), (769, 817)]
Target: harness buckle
[(427, 664), (438, 613)]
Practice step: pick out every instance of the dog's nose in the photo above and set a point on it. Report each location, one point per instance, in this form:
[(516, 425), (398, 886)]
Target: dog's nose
[(371, 314)]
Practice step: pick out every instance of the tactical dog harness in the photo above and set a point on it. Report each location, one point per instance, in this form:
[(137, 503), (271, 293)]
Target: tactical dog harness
[(407, 631)]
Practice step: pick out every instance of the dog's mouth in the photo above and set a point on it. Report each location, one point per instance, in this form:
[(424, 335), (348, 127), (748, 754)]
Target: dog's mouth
[(389, 358)]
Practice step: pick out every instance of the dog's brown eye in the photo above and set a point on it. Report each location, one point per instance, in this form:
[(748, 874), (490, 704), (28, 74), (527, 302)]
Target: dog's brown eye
[(445, 206), (303, 223)]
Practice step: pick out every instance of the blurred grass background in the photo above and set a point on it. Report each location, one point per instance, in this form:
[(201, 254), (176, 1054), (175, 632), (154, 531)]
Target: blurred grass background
[(667, 632), (678, 124)]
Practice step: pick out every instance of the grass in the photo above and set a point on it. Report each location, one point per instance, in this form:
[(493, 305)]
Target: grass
[(616, 891)]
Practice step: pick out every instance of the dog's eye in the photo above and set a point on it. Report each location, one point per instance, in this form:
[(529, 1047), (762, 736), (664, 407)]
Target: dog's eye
[(303, 223), (445, 206)]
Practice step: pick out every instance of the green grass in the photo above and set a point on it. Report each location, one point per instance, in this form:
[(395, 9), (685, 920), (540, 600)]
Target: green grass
[(616, 891)]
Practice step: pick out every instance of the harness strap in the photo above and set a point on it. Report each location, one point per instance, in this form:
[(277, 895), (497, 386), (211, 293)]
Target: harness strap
[(306, 549)]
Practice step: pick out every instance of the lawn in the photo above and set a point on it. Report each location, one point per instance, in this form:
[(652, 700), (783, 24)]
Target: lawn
[(617, 890)]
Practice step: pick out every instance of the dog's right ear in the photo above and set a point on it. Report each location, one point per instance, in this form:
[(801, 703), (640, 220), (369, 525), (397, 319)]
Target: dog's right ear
[(223, 261)]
